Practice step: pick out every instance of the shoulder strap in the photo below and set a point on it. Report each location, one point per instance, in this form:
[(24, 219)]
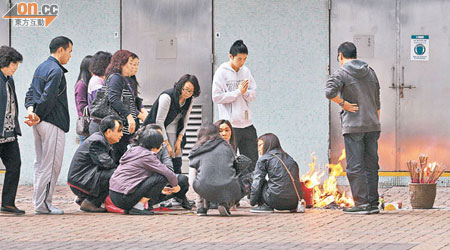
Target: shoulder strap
[(292, 178)]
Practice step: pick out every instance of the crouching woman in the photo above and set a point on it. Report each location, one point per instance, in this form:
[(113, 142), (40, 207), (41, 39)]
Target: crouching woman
[(141, 177), (211, 172), (278, 192)]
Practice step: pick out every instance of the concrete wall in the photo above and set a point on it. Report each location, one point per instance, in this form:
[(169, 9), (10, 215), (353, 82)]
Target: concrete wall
[(288, 57), (4, 23), (90, 24)]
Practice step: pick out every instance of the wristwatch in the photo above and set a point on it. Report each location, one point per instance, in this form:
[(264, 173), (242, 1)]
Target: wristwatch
[(342, 103)]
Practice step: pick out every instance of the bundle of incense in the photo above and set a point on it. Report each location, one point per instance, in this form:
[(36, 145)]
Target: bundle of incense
[(421, 173)]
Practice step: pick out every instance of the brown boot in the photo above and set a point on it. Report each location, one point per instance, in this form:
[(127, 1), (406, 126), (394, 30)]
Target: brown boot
[(87, 206)]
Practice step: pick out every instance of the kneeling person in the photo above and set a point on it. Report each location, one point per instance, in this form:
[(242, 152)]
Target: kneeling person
[(282, 189), (93, 165), (141, 176)]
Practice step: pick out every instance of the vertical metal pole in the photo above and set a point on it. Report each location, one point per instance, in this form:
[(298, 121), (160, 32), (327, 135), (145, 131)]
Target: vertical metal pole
[(329, 73), (120, 32), (10, 25), (397, 96)]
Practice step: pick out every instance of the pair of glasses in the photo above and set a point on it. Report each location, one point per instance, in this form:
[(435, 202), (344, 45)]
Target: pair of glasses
[(188, 91)]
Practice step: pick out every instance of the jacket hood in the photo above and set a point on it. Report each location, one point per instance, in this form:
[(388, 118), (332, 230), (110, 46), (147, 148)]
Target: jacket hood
[(227, 66), (136, 153), (206, 147), (356, 68)]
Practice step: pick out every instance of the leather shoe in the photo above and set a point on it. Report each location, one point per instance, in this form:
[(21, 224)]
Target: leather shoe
[(79, 200), (13, 210), (87, 206)]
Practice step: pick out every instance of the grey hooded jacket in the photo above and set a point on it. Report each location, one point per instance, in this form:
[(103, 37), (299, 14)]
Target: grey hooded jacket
[(216, 179), (357, 83)]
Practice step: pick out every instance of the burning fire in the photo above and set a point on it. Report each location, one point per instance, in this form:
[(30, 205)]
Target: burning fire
[(326, 193)]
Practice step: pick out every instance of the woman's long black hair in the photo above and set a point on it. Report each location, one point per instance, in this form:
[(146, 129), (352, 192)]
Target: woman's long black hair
[(206, 133), (85, 74), (232, 139), (271, 141)]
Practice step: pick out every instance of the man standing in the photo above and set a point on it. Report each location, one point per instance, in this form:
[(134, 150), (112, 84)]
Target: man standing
[(46, 103), (359, 96), (93, 165), (9, 128), (233, 89)]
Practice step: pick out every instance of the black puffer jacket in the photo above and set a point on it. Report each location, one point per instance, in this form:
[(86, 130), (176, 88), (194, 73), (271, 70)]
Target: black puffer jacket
[(216, 179), (92, 158), (280, 193)]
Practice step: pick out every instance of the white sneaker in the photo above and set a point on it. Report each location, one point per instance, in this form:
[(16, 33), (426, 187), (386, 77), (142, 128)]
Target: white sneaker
[(54, 210)]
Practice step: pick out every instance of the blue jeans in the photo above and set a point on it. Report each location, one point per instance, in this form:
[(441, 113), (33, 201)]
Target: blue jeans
[(362, 166)]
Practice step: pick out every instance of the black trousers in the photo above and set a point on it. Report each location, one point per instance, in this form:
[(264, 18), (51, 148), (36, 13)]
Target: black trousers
[(183, 182), (177, 163), (247, 143), (121, 147), (275, 202), (149, 188), (103, 183), (10, 155)]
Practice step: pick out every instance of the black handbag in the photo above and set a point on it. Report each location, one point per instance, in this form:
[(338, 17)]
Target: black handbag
[(83, 123), (100, 107)]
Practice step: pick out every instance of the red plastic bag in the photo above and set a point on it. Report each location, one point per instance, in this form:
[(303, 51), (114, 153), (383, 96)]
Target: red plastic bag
[(110, 207)]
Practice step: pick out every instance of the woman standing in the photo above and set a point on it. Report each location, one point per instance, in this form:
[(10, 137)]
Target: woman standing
[(81, 88), (9, 128), (171, 112), (278, 191), (98, 65), (134, 85), (121, 98)]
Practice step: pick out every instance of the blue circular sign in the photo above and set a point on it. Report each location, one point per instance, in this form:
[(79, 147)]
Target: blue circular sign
[(419, 49)]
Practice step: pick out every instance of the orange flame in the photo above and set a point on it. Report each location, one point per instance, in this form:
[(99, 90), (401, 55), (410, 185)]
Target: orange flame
[(328, 192)]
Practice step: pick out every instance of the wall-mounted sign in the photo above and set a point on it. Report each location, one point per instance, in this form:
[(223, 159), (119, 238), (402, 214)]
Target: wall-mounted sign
[(420, 47)]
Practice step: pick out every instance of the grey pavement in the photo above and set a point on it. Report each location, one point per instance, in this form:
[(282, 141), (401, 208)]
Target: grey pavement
[(181, 229)]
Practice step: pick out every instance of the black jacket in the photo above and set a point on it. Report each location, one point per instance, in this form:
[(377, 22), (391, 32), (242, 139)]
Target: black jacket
[(91, 158), (174, 110), (122, 99), (281, 192), (3, 100), (48, 94), (216, 179)]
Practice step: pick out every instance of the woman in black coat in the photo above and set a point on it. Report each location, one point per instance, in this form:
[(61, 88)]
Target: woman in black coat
[(278, 192), (123, 97)]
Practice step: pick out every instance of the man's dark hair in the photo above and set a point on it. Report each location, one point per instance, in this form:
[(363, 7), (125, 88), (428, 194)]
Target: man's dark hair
[(9, 55), (99, 63), (150, 138), (348, 50), (154, 126), (238, 47), (59, 41), (187, 78), (109, 122)]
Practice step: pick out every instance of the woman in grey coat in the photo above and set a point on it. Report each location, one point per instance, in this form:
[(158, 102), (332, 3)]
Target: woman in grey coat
[(212, 173)]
